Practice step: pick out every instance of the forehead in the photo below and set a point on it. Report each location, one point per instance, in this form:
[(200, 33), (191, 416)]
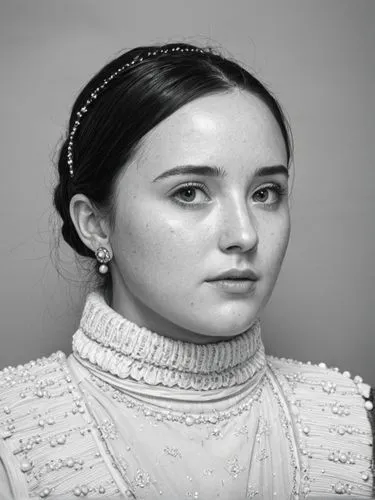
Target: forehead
[(224, 129)]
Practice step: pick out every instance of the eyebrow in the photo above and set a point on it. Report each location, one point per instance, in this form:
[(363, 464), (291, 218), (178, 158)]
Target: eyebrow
[(213, 171)]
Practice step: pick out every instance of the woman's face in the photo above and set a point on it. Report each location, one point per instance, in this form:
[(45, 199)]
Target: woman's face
[(206, 194)]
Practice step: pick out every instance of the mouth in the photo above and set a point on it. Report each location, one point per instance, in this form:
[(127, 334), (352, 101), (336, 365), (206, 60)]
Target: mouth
[(236, 285), (236, 274), (235, 281)]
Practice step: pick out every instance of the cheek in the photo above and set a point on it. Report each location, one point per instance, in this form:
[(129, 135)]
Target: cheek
[(274, 243), (152, 246)]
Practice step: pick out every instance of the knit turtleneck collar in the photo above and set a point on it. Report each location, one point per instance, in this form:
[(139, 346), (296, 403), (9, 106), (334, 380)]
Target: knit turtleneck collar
[(114, 344)]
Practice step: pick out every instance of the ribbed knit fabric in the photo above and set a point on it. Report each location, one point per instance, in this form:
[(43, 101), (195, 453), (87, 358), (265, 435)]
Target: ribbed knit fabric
[(118, 346)]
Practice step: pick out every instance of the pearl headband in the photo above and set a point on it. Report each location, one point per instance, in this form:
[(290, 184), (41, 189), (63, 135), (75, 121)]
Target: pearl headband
[(98, 90)]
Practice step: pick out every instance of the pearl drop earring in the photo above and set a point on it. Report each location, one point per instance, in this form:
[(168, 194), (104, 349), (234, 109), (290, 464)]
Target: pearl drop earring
[(103, 257)]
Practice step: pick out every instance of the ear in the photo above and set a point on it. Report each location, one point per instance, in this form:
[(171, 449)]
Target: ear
[(91, 228)]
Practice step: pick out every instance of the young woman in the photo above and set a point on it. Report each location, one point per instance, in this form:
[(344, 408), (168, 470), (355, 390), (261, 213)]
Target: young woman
[(174, 179)]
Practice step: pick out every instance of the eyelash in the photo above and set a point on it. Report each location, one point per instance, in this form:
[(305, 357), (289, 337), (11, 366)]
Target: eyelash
[(194, 185), (279, 190)]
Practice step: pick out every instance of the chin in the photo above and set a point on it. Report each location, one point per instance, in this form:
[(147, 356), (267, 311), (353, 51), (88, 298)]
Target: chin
[(225, 316), (227, 324)]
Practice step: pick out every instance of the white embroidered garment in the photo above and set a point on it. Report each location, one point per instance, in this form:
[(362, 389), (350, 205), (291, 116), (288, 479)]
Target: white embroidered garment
[(138, 415)]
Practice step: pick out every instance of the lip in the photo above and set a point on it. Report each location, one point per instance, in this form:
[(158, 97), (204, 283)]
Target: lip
[(235, 281), (236, 274), (237, 286)]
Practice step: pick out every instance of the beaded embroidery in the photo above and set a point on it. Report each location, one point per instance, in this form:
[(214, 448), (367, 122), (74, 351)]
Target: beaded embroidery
[(334, 433), (179, 417), (53, 377), (47, 433)]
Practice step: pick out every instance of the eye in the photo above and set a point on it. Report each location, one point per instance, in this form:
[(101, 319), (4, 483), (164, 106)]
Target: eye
[(190, 194), (269, 195)]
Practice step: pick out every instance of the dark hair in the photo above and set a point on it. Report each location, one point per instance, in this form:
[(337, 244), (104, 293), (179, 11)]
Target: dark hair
[(132, 104)]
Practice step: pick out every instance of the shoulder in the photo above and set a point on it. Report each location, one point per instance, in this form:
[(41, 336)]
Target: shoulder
[(47, 442), (334, 393), (326, 388), (332, 414), (319, 376), (29, 388)]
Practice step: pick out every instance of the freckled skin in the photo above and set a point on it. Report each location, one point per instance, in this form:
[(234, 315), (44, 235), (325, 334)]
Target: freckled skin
[(164, 253)]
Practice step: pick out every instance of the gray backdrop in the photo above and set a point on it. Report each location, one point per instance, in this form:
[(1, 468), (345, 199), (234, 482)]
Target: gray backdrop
[(318, 56)]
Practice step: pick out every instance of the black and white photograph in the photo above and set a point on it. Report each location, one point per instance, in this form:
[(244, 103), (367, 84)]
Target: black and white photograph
[(188, 249)]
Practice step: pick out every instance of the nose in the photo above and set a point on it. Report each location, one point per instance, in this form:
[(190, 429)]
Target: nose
[(238, 231)]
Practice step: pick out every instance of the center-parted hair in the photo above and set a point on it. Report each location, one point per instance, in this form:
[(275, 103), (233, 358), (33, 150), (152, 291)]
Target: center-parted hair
[(154, 82)]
